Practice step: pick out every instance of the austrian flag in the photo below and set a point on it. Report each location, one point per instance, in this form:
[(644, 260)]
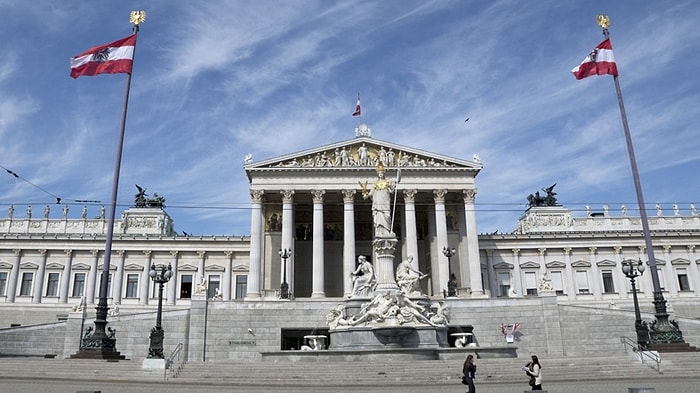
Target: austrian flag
[(599, 62), (114, 58), (358, 111)]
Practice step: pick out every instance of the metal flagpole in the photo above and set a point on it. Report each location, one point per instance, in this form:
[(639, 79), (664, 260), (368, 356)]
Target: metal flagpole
[(99, 344), (662, 330), (396, 191)]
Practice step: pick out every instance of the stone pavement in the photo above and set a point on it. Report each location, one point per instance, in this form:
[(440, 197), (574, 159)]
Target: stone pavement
[(690, 385)]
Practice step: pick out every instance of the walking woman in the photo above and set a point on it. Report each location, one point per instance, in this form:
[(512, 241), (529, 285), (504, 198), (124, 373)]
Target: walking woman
[(469, 369), (534, 370)]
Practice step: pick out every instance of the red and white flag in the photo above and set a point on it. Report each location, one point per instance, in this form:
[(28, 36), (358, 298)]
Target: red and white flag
[(357, 107), (600, 61), (114, 58)]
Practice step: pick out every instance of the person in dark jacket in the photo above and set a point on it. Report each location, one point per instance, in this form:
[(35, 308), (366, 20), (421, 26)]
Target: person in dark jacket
[(469, 369)]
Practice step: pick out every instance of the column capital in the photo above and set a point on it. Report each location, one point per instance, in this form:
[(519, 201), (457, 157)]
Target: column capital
[(94, 252), (593, 249), (567, 250), (257, 196), (666, 247), (174, 253), (469, 195), (617, 249), (410, 195), (691, 247), (68, 252), (42, 252), (642, 249), (147, 253), (228, 254), (542, 250), (287, 196), (119, 252), (439, 195), (489, 253), (515, 251), (317, 195), (348, 195), (201, 253), (17, 251)]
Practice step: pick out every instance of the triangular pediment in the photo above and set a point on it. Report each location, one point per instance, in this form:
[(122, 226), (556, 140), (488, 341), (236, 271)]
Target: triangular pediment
[(187, 268), (502, 266), (362, 152), (54, 266), (606, 263), (215, 268), (680, 261), (530, 265), (240, 268), (112, 267), (555, 265), (5, 265), (28, 265), (580, 263), (81, 266), (133, 267)]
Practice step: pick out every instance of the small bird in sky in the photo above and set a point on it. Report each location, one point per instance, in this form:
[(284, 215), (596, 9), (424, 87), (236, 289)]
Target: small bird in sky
[(466, 120)]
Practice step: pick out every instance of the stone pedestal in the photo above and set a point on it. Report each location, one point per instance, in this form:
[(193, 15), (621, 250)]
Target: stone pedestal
[(384, 248)]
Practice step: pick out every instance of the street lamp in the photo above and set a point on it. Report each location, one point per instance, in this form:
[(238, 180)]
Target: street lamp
[(160, 275), (452, 282), (284, 287), (632, 271)]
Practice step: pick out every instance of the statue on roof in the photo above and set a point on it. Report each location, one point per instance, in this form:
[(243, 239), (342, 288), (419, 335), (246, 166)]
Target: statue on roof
[(548, 200)]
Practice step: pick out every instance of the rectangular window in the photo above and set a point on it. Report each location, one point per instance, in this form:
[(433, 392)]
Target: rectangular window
[(503, 283), (661, 278), (132, 285), (52, 285), (683, 283), (608, 285), (214, 284), (582, 281), (557, 282), (531, 283), (26, 288), (78, 285), (109, 286), (241, 286), (3, 283), (186, 286)]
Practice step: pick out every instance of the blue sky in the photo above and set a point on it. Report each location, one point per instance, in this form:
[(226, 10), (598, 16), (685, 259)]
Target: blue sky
[(216, 80)]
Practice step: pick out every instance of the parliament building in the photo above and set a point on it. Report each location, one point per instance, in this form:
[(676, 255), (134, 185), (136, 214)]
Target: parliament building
[(556, 276)]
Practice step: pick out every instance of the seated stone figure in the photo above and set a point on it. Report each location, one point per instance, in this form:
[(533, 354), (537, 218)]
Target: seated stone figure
[(409, 278), (363, 280)]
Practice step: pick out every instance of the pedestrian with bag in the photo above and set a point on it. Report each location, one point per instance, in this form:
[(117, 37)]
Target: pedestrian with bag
[(534, 370), (469, 369)]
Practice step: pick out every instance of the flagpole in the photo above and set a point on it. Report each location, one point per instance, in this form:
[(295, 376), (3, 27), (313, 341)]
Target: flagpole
[(99, 344), (396, 191), (662, 330)]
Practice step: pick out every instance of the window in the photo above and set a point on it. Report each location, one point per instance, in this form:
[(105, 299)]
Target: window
[(132, 285), (241, 286), (109, 286), (608, 285), (582, 281), (503, 283), (186, 286), (531, 283), (683, 283), (3, 283), (26, 288), (214, 284), (52, 285), (78, 285), (661, 279), (557, 282)]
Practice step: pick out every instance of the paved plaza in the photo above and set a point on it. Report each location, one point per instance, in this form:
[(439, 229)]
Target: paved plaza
[(690, 385)]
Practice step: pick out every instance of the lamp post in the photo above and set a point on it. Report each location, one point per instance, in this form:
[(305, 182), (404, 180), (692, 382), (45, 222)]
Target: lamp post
[(632, 271), (452, 282), (284, 287), (160, 275)]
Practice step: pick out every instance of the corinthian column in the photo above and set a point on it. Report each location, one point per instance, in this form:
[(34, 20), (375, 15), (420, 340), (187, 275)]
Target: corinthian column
[(409, 198), (287, 236), (473, 259), (443, 273), (256, 244), (348, 239), (318, 282)]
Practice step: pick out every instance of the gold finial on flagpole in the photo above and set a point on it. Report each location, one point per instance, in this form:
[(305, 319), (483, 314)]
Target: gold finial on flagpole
[(604, 22), (137, 17)]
